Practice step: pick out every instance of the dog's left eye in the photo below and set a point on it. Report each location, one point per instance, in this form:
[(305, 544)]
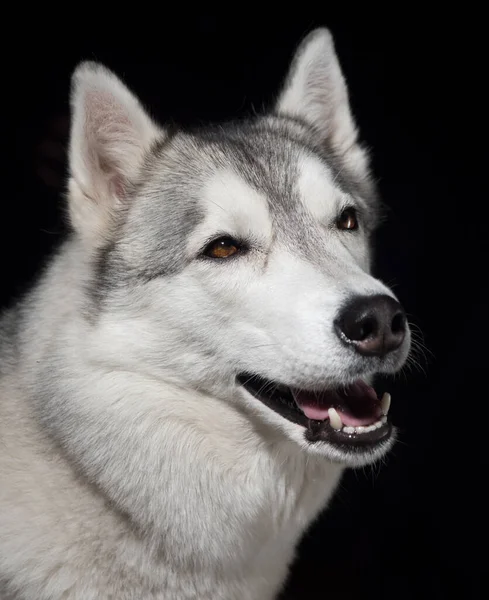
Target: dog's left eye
[(222, 248), (348, 220)]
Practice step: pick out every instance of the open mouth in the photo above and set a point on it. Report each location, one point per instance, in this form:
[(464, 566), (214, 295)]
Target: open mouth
[(349, 416)]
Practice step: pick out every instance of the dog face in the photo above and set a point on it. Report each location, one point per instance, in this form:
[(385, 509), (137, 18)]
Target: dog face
[(236, 260)]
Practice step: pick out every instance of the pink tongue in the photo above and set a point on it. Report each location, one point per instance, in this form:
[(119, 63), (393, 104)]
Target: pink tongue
[(316, 413), (357, 405)]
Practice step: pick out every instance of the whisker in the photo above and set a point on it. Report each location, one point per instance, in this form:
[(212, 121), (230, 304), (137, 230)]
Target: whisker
[(262, 346), (337, 175)]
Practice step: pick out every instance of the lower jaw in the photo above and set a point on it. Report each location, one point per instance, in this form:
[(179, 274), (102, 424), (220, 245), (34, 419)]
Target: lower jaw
[(350, 439)]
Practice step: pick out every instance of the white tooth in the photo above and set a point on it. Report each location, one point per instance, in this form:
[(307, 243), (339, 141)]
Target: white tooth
[(383, 420), (385, 403), (334, 419), (349, 429), (360, 429)]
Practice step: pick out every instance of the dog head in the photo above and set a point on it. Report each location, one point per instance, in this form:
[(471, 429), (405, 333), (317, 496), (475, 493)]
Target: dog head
[(236, 259)]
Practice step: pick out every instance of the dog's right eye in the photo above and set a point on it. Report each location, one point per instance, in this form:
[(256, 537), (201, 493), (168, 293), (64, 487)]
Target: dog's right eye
[(223, 247)]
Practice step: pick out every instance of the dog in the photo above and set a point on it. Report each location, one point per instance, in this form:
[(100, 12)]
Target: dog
[(183, 387)]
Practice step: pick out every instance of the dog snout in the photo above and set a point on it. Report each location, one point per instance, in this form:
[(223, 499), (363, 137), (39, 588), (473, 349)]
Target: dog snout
[(373, 325)]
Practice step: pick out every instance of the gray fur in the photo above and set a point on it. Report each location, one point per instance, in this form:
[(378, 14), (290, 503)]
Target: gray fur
[(134, 464)]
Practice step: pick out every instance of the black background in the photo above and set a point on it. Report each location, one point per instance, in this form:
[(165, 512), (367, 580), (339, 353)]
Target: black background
[(415, 527)]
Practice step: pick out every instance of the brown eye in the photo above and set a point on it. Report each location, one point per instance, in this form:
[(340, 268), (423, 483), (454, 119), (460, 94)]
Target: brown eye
[(222, 248), (348, 220)]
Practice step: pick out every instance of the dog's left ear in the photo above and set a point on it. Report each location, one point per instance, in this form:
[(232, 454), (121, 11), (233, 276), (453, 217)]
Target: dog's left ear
[(315, 92)]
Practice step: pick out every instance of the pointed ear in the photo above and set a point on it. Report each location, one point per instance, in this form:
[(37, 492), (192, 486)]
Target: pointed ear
[(315, 92), (110, 136)]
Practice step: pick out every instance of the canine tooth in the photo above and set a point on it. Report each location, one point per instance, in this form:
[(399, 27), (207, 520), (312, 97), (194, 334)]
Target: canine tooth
[(334, 419), (349, 429), (383, 420), (385, 403)]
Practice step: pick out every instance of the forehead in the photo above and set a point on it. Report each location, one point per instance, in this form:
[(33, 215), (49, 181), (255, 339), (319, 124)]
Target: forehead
[(280, 167), (258, 169), (259, 199)]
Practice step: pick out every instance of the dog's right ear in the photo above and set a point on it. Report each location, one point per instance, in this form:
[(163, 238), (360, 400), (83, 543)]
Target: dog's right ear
[(111, 134)]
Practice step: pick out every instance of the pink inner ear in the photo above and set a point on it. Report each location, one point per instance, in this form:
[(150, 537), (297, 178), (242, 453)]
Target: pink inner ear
[(102, 106), (117, 186), (111, 137)]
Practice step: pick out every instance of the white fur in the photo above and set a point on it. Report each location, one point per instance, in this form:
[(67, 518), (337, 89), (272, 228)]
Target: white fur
[(132, 465)]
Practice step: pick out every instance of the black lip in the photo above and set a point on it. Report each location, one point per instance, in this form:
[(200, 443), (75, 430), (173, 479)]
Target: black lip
[(279, 398), (321, 431)]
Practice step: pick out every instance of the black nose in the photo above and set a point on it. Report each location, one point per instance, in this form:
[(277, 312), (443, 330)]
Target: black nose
[(374, 325)]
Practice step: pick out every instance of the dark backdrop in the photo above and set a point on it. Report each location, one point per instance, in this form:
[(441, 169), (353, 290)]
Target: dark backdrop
[(415, 527)]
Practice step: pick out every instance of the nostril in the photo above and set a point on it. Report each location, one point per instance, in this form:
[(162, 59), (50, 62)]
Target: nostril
[(367, 327), (398, 323)]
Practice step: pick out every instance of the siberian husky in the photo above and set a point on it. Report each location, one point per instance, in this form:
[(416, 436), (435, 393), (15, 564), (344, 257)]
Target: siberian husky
[(183, 387)]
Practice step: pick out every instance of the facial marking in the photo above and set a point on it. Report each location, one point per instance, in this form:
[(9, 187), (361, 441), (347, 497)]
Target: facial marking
[(233, 208), (316, 188)]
